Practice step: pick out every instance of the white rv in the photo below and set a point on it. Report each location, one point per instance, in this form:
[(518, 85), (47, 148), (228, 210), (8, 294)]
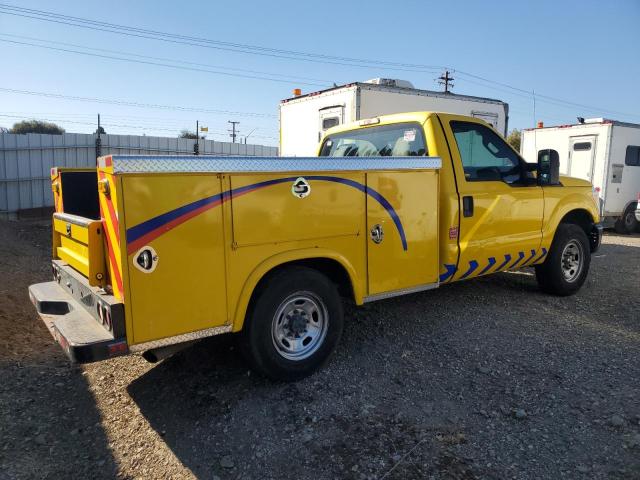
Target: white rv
[(605, 152), (304, 118)]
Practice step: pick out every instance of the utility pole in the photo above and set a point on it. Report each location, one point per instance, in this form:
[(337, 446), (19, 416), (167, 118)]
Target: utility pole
[(196, 147), (233, 131), (98, 141), (445, 79)]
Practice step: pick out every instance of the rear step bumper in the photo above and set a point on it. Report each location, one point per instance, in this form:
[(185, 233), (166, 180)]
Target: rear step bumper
[(79, 334)]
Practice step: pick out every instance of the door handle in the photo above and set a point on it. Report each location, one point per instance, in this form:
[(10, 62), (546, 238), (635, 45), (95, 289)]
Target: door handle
[(467, 206), (377, 234)]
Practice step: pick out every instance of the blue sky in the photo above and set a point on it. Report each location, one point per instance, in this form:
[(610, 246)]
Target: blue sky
[(581, 52)]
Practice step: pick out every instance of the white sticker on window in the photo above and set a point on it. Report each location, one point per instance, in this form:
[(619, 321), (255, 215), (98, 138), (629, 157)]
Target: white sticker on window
[(409, 135)]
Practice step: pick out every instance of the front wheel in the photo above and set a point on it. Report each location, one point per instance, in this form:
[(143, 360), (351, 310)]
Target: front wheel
[(294, 324), (566, 267)]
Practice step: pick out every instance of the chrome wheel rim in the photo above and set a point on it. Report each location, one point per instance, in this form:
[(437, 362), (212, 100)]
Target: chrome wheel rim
[(299, 326), (572, 260)]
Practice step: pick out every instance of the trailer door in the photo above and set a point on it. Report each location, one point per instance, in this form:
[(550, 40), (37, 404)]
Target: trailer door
[(489, 117), (582, 152), (330, 117)]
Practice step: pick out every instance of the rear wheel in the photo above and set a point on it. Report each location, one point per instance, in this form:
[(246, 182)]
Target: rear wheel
[(567, 265), (294, 324), (628, 223)]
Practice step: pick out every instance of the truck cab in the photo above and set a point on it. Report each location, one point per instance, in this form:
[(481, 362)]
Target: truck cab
[(496, 211), (152, 253)]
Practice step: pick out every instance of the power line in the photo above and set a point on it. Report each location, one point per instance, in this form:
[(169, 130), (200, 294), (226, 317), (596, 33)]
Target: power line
[(202, 42), (49, 16), (545, 98), (258, 50), (147, 62), (135, 104), (287, 77), (118, 125), (141, 120)]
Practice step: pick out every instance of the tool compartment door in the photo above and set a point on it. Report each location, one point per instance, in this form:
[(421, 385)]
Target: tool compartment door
[(178, 219), (402, 222), (266, 210)]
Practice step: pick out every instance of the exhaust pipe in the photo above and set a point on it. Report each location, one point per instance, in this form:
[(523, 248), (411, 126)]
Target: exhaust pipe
[(156, 354)]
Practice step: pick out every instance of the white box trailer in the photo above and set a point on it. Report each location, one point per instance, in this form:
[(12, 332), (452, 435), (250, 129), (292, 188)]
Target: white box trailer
[(304, 118), (605, 152)]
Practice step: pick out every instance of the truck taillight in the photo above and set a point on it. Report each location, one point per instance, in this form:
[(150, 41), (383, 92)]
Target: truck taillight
[(103, 187)]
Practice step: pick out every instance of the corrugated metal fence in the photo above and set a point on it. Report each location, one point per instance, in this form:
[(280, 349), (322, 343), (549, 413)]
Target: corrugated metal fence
[(26, 160)]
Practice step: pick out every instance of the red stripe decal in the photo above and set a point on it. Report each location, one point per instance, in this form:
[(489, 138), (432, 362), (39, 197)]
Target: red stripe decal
[(116, 270), (112, 257), (140, 242), (112, 213), (133, 246)]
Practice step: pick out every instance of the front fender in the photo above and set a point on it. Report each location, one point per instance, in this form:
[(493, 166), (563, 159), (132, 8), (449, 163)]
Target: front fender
[(560, 202), (287, 257)]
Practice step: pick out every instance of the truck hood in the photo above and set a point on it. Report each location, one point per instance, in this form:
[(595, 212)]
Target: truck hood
[(574, 182)]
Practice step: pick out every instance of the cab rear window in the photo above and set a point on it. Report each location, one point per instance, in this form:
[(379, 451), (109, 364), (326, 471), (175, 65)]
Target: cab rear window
[(396, 140)]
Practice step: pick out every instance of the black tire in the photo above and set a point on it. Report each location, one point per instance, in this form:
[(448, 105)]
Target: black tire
[(628, 223), (267, 351), (555, 275)]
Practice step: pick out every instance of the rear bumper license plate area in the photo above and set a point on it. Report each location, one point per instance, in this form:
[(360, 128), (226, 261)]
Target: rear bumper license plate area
[(80, 335)]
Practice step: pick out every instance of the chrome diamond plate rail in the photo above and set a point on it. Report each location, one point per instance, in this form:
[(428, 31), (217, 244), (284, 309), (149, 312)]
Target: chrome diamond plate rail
[(218, 164)]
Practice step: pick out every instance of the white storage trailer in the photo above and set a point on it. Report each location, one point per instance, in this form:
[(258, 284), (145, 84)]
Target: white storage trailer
[(304, 118), (605, 152)]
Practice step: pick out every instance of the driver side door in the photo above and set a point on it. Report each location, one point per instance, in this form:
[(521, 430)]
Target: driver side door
[(501, 206)]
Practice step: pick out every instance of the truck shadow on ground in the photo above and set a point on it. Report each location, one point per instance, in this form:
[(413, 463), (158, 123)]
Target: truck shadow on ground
[(50, 426), (222, 421)]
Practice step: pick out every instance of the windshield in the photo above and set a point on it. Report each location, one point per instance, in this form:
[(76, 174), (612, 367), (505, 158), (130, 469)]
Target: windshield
[(396, 140)]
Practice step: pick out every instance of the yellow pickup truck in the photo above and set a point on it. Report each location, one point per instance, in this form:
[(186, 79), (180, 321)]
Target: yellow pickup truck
[(151, 253)]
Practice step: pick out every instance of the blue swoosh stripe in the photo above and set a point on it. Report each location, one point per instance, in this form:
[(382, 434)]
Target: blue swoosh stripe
[(533, 254), (372, 193), (507, 259), (472, 267), (492, 261), (450, 270), (544, 252), (520, 257), (154, 223)]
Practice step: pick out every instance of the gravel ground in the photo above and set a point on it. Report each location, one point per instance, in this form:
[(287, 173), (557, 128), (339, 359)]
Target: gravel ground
[(483, 379)]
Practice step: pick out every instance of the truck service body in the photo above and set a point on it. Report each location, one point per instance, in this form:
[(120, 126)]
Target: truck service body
[(304, 119), (180, 248)]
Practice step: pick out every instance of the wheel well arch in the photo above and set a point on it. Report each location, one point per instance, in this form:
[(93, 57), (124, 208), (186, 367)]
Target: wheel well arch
[(330, 267), (580, 217), (339, 272), (628, 205), (583, 219)]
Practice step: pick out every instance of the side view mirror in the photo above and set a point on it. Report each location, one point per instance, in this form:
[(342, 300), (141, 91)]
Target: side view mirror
[(548, 167)]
